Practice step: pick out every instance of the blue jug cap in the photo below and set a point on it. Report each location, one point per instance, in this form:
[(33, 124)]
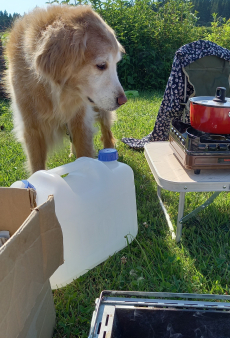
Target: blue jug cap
[(28, 184), (107, 154)]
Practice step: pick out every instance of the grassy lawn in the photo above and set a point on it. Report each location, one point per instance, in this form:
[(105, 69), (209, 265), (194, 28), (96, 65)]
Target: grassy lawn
[(199, 264)]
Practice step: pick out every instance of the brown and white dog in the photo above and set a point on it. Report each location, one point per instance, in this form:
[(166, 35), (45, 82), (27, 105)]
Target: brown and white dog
[(62, 73)]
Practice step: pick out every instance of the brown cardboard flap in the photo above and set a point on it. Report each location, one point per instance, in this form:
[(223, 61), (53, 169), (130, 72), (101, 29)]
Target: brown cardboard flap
[(15, 207), (27, 260)]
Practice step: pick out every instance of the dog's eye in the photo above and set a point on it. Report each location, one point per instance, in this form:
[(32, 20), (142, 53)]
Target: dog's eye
[(102, 66)]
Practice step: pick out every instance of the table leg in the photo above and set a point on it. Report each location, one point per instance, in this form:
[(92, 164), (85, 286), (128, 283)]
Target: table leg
[(201, 207), (165, 212), (180, 215)]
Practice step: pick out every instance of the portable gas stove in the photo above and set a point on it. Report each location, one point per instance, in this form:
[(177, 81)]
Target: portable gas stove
[(199, 150)]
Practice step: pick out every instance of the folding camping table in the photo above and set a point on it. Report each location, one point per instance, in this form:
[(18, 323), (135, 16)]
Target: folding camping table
[(171, 175)]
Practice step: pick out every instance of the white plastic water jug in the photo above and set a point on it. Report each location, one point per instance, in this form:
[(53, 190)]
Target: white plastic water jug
[(96, 207)]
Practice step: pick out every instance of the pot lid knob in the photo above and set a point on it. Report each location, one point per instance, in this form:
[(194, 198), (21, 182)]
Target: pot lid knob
[(220, 95)]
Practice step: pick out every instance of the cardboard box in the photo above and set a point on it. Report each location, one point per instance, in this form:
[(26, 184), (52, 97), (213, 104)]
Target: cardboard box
[(27, 260)]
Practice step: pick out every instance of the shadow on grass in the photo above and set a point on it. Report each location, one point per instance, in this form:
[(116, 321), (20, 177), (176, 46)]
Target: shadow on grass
[(207, 239)]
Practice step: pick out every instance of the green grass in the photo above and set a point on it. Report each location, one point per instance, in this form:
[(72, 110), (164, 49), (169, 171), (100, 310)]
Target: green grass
[(200, 263)]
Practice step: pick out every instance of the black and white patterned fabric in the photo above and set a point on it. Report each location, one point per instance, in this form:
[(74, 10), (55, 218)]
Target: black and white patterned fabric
[(174, 93)]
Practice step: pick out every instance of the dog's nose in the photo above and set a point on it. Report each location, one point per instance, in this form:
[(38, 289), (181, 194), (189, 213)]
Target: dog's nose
[(122, 99)]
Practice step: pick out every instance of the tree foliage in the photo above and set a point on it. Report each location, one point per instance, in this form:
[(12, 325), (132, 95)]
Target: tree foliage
[(219, 32), (6, 20), (206, 9), (150, 33)]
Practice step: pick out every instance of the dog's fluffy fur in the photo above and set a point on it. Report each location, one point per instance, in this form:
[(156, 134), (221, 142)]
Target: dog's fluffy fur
[(62, 73)]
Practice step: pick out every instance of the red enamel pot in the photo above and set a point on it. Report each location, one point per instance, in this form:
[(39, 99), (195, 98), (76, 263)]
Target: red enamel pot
[(211, 114)]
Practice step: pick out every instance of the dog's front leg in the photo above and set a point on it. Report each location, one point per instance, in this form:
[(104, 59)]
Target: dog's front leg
[(36, 149), (82, 131), (106, 118)]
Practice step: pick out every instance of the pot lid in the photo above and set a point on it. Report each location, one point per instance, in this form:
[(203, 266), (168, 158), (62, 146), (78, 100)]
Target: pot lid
[(208, 101)]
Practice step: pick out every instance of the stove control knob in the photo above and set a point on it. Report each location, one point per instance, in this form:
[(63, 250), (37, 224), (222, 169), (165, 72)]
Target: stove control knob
[(223, 146), (202, 146), (212, 146)]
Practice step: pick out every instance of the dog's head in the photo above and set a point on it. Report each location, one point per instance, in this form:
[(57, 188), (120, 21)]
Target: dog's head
[(79, 52)]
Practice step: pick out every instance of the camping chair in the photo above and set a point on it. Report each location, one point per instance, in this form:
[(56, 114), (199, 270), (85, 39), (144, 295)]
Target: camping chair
[(205, 75)]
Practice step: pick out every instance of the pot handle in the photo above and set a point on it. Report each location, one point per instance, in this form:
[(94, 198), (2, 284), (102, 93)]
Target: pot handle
[(220, 94)]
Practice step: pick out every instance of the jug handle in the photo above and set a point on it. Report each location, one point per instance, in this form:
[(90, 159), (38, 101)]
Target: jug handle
[(64, 169)]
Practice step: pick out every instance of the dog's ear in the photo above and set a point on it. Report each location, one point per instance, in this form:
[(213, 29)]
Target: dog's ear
[(60, 49)]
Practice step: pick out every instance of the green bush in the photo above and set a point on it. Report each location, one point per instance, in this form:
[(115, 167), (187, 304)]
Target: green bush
[(150, 34), (219, 32)]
